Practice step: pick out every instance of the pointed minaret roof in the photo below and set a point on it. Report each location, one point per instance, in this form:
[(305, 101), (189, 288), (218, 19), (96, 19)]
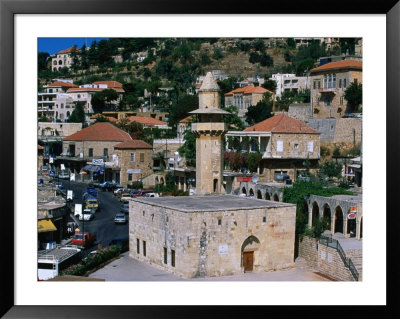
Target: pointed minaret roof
[(209, 84)]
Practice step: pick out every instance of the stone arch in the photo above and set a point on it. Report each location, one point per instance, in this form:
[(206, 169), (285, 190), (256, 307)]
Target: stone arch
[(215, 185), (338, 220), (327, 214), (267, 196), (244, 191), (55, 62), (259, 195), (156, 180), (251, 192), (162, 180), (68, 113), (276, 197), (248, 252), (59, 62), (314, 213)]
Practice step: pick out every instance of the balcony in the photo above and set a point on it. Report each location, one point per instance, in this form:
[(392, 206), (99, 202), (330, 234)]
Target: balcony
[(327, 90)]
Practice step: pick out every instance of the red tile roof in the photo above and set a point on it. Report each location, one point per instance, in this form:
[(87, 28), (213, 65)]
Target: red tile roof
[(249, 89), (102, 131), (110, 84), (187, 119), (68, 50), (145, 120), (281, 124), (63, 84), (339, 65), (133, 144), (110, 118), (72, 90)]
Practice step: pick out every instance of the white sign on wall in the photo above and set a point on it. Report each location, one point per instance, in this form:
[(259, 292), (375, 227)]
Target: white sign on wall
[(72, 177), (62, 166), (323, 255), (223, 249), (279, 146), (69, 194), (330, 257), (133, 171), (50, 160)]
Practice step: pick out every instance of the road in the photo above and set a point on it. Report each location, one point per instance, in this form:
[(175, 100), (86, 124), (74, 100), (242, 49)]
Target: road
[(103, 224)]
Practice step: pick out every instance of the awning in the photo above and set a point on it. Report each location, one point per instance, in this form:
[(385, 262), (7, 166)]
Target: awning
[(93, 168), (354, 165), (46, 225)]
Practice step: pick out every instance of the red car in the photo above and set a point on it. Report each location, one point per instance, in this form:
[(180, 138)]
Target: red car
[(141, 193), (84, 240)]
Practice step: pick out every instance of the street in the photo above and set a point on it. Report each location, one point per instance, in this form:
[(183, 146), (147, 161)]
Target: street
[(103, 224)]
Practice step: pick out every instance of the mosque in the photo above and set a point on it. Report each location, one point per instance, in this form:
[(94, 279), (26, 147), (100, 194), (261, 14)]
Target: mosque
[(210, 233)]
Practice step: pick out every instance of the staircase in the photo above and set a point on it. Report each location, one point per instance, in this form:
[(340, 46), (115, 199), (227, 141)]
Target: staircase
[(356, 257)]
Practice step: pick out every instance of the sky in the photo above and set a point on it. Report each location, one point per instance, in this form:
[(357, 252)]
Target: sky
[(53, 45)]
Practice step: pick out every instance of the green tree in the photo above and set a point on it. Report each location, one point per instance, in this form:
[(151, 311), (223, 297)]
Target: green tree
[(353, 96), (291, 44), (232, 120), (78, 114), (42, 60), (330, 169), (254, 57), (205, 59), (253, 161), (103, 98), (76, 64), (261, 111), (188, 149), (218, 54), (259, 45), (266, 60), (181, 107), (347, 45), (270, 85)]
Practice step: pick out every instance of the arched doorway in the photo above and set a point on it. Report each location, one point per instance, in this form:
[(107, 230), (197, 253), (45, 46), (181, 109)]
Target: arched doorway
[(249, 246), (251, 193), (267, 196), (338, 220), (244, 191), (215, 185), (315, 213), (259, 195), (276, 198), (327, 214), (162, 180), (361, 227)]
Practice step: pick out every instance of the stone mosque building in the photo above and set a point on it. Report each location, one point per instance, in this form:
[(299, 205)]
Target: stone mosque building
[(211, 234)]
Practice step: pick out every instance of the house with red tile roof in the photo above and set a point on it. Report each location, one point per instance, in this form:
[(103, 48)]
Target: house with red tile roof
[(328, 85), (183, 125), (93, 146), (63, 58), (244, 97), (287, 146), (147, 121)]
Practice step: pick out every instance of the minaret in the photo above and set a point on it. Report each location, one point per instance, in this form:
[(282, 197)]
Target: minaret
[(209, 131)]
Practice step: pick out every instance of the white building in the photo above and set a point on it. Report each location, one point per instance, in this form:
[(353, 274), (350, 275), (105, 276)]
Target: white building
[(290, 82)]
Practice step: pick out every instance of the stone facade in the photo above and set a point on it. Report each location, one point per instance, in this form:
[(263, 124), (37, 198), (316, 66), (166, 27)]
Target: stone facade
[(195, 241), (141, 159), (327, 90), (300, 111), (99, 148), (324, 259), (342, 130), (46, 129)]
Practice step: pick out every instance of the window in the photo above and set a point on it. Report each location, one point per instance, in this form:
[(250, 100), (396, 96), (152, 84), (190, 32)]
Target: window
[(132, 157), (340, 83), (334, 80), (315, 85), (355, 81), (296, 147), (279, 146), (328, 101), (219, 221), (165, 256), (264, 219), (62, 105), (341, 100), (172, 258), (144, 248), (319, 84), (325, 81), (344, 83), (105, 152), (137, 245), (310, 147), (129, 177), (141, 157), (90, 152)]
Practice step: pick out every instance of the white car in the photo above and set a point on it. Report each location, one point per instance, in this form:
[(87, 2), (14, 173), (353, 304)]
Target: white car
[(151, 195), (88, 214)]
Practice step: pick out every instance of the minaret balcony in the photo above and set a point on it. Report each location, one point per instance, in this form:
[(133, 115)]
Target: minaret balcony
[(210, 128)]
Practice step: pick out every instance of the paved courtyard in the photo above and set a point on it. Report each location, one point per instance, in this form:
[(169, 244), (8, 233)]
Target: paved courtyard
[(129, 269)]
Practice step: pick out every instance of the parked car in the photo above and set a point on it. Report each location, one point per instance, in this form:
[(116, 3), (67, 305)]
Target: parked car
[(359, 115), (84, 240), (109, 186), (135, 193), (63, 175), (125, 197), (120, 218), (351, 115), (92, 203), (151, 195), (125, 208), (119, 191), (59, 184), (88, 214)]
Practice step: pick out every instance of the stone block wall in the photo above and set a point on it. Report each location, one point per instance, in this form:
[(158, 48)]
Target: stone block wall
[(348, 130), (211, 243), (324, 259), (301, 112)]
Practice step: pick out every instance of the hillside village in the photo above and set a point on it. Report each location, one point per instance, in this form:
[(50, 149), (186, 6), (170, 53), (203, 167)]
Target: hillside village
[(284, 115)]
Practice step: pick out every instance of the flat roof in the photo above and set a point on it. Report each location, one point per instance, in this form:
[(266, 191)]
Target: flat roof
[(209, 203)]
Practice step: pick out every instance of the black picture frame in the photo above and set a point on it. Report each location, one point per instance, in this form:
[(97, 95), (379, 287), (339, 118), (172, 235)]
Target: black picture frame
[(8, 10)]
